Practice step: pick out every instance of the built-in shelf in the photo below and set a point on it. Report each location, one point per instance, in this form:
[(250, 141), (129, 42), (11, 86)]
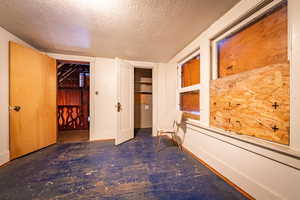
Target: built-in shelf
[(73, 88), (143, 92), (143, 82)]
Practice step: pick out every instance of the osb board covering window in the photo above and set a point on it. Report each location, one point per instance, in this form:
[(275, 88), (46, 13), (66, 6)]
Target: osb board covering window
[(254, 103), (260, 44), (189, 104), (190, 72)]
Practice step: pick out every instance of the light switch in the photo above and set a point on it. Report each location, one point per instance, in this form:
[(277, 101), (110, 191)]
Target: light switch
[(146, 107)]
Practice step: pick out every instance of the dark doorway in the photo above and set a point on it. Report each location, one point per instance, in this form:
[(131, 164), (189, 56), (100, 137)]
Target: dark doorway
[(142, 101), (73, 84)]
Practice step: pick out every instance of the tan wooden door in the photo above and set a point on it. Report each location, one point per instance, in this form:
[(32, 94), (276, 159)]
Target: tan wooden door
[(32, 100)]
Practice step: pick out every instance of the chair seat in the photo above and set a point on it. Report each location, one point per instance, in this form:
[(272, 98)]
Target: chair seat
[(166, 130)]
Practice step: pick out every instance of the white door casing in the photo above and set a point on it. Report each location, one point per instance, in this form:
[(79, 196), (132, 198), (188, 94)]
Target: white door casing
[(125, 99)]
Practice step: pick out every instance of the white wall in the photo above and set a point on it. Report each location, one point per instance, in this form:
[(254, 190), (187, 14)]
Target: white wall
[(256, 173), (5, 37), (166, 94)]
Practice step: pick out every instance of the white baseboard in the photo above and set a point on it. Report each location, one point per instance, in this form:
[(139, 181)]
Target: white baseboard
[(101, 139), (4, 157), (243, 181), (249, 185)]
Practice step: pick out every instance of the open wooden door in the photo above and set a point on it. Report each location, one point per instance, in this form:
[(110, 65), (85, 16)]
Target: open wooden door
[(125, 86), (32, 99)]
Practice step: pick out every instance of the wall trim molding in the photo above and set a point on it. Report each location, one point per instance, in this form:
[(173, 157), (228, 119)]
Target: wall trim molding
[(92, 61), (154, 68), (275, 152), (102, 140)]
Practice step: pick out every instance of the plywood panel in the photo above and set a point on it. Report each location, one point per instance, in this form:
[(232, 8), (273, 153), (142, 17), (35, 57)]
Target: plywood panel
[(254, 103), (190, 72), (261, 44), (33, 88), (189, 101)]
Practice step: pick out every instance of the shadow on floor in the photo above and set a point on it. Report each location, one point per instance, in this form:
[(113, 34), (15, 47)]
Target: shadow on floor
[(142, 132), (101, 170)]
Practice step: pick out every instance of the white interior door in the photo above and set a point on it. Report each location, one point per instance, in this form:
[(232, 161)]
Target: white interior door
[(125, 86)]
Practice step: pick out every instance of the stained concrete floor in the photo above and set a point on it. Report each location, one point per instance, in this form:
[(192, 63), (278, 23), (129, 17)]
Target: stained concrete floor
[(100, 170)]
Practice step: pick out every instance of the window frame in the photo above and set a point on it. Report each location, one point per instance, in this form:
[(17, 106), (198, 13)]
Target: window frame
[(191, 88), (239, 26), (241, 23)]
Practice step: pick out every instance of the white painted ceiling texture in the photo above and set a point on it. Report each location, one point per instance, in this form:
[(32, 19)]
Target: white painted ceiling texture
[(146, 30)]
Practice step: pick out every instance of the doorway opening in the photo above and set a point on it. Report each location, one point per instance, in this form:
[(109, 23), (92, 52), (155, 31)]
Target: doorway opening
[(143, 101), (73, 97)]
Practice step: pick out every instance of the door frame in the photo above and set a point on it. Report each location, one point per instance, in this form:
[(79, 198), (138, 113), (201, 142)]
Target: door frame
[(92, 61), (154, 67)]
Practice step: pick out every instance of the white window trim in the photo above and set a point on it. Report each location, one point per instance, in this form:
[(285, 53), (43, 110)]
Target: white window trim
[(190, 88), (179, 78), (239, 26)]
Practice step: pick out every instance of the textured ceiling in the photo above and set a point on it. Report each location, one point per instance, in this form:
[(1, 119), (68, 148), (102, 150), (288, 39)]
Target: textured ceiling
[(147, 30)]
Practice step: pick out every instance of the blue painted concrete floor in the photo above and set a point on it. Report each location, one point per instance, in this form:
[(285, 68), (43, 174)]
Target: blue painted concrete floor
[(100, 170)]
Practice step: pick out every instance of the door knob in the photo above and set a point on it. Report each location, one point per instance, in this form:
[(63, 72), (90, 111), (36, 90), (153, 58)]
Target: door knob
[(15, 108)]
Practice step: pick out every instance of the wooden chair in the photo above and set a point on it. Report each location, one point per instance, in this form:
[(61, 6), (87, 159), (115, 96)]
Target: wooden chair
[(173, 131)]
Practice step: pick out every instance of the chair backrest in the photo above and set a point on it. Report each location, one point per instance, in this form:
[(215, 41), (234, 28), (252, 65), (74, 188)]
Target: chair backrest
[(178, 120), (179, 117)]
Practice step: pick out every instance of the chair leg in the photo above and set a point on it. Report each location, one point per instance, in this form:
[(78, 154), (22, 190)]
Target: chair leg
[(178, 142), (172, 136), (180, 146), (174, 139), (158, 140)]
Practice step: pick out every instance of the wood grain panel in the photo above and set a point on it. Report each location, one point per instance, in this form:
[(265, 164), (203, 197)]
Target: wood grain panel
[(254, 103), (68, 97), (141, 98), (33, 88), (262, 43), (189, 101), (190, 72), (187, 115), (71, 82), (86, 108)]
